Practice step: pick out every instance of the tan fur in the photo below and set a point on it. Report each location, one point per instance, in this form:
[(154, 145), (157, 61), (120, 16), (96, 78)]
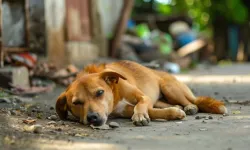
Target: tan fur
[(131, 91)]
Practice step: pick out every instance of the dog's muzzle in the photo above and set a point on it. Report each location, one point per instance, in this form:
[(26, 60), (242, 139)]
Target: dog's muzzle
[(94, 119)]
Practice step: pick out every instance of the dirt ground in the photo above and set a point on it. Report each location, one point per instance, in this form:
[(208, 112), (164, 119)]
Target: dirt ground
[(219, 132)]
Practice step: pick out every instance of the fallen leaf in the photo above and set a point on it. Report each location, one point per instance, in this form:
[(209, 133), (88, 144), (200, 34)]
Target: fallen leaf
[(29, 121), (103, 127)]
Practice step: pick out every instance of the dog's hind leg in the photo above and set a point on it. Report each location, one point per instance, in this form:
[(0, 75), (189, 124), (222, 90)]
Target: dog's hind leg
[(177, 95), (162, 104), (171, 113)]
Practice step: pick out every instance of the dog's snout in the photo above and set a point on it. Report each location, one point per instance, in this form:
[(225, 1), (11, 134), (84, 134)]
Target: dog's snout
[(94, 118)]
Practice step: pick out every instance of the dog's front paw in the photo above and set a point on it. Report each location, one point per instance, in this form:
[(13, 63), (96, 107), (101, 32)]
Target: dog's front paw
[(191, 109), (140, 119)]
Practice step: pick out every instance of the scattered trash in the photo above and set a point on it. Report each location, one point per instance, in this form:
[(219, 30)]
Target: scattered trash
[(172, 67), (114, 125), (32, 90), (34, 128), (22, 59)]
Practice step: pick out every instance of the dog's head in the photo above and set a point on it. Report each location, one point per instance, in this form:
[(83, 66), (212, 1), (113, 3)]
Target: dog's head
[(90, 96)]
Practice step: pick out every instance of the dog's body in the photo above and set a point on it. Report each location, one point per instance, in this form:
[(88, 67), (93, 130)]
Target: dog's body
[(127, 89)]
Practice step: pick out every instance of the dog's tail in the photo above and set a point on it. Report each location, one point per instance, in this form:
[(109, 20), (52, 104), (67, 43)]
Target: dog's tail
[(210, 105)]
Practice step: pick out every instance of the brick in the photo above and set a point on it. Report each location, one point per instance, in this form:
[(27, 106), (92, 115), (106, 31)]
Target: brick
[(17, 76)]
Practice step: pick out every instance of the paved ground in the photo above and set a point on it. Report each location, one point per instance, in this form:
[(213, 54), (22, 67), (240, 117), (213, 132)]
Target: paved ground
[(220, 133)]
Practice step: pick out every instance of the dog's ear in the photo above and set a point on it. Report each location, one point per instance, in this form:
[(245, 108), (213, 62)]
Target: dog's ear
[(111, 77), (61, 106)]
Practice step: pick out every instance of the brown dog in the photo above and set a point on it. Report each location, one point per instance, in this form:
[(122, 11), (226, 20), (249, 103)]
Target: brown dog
[(127, 89)]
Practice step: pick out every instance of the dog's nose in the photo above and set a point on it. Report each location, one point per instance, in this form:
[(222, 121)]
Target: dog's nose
[(94, 118)]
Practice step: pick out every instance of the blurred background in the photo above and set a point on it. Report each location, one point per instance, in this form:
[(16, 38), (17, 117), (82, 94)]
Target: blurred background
[(54, 39)]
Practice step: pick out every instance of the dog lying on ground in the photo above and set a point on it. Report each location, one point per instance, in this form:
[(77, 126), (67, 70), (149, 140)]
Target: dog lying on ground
[(129, 90)]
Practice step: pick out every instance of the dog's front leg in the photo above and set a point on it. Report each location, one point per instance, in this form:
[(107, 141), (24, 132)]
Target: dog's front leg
[(142, 103), (140, 116)]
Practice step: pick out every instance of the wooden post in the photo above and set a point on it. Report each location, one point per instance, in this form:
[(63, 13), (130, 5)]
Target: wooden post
[(98, 37), (1, 38), (27, 22), (55, 19), (121, 25)]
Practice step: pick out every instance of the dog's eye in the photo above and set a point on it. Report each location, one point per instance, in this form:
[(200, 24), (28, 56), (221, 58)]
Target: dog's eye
[(99, 93)]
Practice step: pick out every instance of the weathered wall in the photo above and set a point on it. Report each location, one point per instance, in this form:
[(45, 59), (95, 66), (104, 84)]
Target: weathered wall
[(109, 12)]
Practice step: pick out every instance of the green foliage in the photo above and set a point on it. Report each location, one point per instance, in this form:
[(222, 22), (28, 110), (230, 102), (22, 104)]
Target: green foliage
[(203, 12)]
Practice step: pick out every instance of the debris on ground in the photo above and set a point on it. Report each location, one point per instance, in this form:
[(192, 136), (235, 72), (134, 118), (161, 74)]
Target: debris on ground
[(200, 117), (103, 127), (29, 121), (114, 125), (4, 100), (81, 135), (51, 123), (52, 117), (34, 128), (236, 112), (9, 140), (203, 129)]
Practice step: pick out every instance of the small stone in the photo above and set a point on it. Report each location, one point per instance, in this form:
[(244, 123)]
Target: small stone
[(226, 114), (59, 129), (51, 122), (114, 125), (51, 108), (37, 128), (61, 122), (203, 129), (9, 113), (52, 117), (197, 117), (206, 118), (216, 93), (13, 112), (210, 117), (34, 128), (204, 121)]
